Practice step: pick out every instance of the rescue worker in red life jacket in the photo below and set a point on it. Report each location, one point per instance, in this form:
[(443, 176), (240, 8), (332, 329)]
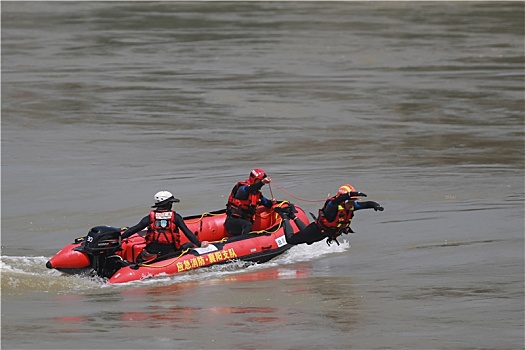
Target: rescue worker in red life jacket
[(163, 236), (334, 218), (243, 201)]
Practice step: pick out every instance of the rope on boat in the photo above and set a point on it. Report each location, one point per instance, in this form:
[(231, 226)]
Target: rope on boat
[(265, 231), (202, 217)]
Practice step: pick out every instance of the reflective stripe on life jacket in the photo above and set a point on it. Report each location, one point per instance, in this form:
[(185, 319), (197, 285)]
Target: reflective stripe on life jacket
[(342, 221), (243, 208), (162, 228)]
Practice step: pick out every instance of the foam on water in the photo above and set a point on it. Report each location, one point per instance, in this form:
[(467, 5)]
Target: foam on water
[(23, 274)]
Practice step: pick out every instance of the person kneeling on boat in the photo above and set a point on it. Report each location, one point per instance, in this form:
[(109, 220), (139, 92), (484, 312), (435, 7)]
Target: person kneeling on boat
[(334, 218), (243, 201), (164, 226)]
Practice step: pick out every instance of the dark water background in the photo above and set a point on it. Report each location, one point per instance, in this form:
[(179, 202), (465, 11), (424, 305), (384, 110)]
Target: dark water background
[(418, 104)]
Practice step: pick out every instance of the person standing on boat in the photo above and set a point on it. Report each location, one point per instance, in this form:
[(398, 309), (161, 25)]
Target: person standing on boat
[(243, 201), (164, 226), (334, 218)]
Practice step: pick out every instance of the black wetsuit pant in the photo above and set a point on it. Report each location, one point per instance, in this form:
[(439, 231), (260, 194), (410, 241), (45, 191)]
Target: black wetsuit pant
[(237, 226), (307, 234), (160, 248)]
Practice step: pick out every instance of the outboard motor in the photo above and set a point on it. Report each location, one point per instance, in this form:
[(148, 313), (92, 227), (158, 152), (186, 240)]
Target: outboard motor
[(101, 243)]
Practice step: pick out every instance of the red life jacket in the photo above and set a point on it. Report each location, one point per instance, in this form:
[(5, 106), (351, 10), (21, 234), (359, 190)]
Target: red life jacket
[(242, 208), (342, 221), (162, 228)]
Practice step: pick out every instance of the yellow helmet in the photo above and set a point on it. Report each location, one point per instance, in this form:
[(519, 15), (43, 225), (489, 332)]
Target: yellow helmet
[(346, 188)]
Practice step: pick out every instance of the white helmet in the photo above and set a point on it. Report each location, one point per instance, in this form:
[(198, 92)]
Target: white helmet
[(164, 197)]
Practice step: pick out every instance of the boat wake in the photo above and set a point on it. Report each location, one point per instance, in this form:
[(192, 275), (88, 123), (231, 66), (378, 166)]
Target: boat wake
[(22, 274)]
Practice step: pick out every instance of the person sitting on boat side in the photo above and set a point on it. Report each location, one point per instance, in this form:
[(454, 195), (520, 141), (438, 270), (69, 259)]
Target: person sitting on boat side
[(243, 201), (164, 226), (334, 218)]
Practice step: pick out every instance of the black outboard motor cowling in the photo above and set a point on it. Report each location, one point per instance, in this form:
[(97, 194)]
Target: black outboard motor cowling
[(100, 244), (101, 240)]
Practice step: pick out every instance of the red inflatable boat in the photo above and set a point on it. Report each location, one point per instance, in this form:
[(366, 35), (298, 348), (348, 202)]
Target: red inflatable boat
[(103, 253)]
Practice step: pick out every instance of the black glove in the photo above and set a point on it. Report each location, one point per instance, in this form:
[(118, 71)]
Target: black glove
[(378, 207), (357, 194), (330, 240)]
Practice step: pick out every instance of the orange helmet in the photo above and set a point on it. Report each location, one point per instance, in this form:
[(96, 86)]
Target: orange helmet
[(346, 188), (256, 174)]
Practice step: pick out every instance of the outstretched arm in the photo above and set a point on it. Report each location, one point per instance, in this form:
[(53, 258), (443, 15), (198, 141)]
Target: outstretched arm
[(368, 205), (330, 209)]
